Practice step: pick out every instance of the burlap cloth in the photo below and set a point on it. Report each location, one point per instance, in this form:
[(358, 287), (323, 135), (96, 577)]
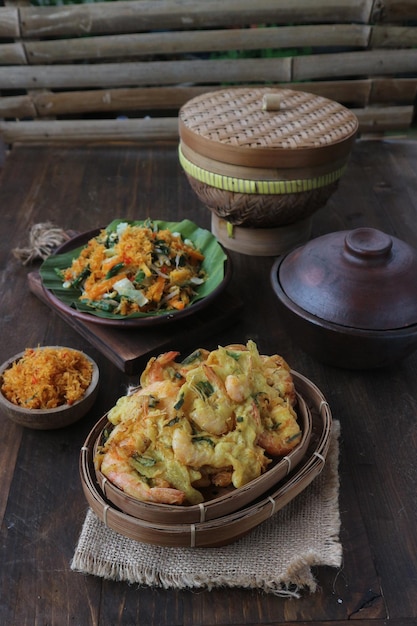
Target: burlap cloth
[(276, 557)]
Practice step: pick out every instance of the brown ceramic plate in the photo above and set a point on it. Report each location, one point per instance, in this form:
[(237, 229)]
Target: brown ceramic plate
[(60, 301)]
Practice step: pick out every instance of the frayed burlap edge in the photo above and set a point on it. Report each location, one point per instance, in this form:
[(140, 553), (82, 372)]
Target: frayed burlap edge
[(262, 560)]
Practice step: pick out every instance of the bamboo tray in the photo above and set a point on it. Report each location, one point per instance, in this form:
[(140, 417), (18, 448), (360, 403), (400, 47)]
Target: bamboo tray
[(223, 501), (229, 527)]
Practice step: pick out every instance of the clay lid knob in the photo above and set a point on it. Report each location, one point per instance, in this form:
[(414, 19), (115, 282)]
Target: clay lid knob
[(368, 245)]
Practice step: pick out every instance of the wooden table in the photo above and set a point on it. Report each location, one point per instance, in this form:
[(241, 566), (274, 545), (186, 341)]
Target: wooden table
[(42, 506)]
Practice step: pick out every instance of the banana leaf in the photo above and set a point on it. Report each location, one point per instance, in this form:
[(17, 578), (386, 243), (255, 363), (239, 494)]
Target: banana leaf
[(213, 264)]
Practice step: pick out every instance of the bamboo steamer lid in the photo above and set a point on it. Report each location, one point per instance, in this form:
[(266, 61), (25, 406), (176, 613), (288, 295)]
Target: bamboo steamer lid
[(264, 157), (266, 127)]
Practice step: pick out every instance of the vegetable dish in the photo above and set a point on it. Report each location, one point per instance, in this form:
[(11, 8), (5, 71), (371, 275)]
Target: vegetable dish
[(136, 268)]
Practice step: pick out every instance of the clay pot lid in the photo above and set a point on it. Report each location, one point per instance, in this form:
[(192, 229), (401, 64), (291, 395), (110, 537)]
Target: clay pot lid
[(361, 278), (267, 127)]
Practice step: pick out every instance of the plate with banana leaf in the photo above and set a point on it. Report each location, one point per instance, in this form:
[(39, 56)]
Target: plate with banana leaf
[(136, 273)]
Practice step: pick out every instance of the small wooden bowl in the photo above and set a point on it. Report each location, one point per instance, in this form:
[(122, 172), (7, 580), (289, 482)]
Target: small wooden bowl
[(48, 419)]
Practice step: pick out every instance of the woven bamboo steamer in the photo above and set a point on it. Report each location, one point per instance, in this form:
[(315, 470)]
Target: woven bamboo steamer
[(225, 500), (264, 157), (230, 527)]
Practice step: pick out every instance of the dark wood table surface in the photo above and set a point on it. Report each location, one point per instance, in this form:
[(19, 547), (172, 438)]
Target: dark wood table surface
[(42, 506)]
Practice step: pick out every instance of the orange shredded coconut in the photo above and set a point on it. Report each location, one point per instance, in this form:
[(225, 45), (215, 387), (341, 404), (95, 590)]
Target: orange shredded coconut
[(157, 264), (45, 378)]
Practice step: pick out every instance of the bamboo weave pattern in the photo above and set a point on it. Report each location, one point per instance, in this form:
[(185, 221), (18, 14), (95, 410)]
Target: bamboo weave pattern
[(241, 185), (235, 117)]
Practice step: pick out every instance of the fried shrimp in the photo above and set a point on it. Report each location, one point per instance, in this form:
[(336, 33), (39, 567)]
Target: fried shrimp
[(119, 471), (195, 452), (237, 449), (236, 387), (207, 402), (160, 368), (157, 399), (215, 419), (281, 433), (277, 373)]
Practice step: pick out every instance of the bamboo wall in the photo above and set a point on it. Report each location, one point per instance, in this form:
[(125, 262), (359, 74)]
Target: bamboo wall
[(121, 70)]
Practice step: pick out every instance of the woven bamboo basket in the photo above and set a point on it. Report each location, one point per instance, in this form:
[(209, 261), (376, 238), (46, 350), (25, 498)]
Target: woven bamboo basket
[(226, 528), (223, 501), (265, 158)]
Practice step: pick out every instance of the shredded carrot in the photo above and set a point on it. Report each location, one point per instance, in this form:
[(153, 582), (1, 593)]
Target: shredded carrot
[(97, 288), (178, 304), (45, 378), (136, 269), (156, 290)]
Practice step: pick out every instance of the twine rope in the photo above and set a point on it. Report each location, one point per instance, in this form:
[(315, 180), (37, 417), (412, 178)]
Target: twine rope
[(192, 536), (288, 459), (105, 510), (272, 501), (44, 238), (202, 512)]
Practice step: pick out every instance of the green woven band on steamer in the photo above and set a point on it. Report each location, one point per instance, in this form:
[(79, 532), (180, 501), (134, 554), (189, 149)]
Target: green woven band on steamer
[(243, 185)]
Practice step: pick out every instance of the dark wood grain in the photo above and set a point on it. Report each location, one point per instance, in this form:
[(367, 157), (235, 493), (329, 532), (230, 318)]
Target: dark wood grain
[(130, 349), (42, 506)]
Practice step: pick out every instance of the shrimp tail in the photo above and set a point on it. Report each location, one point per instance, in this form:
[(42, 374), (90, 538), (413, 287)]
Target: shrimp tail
[(138, 489), (156, 368)]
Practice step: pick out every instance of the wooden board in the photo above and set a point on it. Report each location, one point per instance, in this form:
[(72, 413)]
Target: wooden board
[(129, 349)]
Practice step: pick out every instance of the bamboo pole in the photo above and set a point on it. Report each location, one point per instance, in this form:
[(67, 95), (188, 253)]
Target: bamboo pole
[(12, 54), (143, 15), (145, 73), (9, 22), (399, 11), (380, 119), (175, 43), (46, 104), (115, 100), (393, 90), (361, 63), (17, 107), (322, 66), (84, 131), (136, 45), (371, 119), (393, 37)]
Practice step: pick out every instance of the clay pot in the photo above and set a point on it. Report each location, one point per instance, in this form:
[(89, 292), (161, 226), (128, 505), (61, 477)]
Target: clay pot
[(350, 298)]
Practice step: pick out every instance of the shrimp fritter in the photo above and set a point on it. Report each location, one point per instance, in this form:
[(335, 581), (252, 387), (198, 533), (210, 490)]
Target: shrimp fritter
[(216, 418)]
